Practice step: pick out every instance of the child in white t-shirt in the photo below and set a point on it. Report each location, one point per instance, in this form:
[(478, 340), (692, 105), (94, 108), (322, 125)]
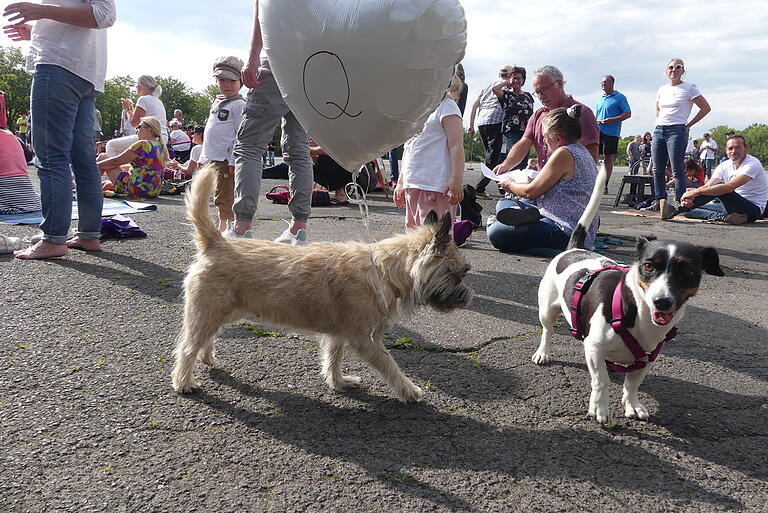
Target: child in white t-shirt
[(432, 171), (221, 133)]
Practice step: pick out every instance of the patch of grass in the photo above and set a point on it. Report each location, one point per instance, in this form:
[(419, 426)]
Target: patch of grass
[(100, 362), (404, 343), (428, 384), (162, 356), (154, 423), (258, 330), (76, 368), (106, 468), (475, 360), (400, 479), (24, 346), (165, 282)]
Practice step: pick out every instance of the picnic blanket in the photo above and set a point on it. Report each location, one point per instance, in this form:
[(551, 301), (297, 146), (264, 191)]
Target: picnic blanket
[(111, 208)]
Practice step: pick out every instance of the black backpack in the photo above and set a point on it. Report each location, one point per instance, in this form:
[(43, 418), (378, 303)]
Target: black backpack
[(470, 208)]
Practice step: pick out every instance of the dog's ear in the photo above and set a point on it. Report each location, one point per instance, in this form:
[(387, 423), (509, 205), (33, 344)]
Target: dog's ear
[(710, 262), (642, 242), (431, 218), (443, 234)]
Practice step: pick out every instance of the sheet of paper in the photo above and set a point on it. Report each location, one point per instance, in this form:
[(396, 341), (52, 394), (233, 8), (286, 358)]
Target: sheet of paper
[(517, 175)]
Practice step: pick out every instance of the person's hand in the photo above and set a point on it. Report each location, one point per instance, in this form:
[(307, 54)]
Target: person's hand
[(22, 12), (127, 103), (501, 168), (470, 131), (456, 191), (687, 198), (250, 74), (399, 196), (506, 184), (21, 32)]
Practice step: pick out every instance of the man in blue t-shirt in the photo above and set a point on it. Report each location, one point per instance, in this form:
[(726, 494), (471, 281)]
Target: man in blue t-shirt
[(612, 109)]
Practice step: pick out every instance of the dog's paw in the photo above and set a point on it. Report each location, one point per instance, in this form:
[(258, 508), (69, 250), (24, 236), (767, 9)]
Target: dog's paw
[(636, 411), (342, 383), (599, 413), (208, 359), (410, 394), (541, 357), (185, 388)]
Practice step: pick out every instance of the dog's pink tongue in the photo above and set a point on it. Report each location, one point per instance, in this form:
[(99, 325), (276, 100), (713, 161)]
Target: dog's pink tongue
[(663, 317)]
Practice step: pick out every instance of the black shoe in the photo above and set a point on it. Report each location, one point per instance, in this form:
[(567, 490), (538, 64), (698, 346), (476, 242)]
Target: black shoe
[(515, 216)]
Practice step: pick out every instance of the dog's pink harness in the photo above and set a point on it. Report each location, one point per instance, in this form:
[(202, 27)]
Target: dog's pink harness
[(642, 357)]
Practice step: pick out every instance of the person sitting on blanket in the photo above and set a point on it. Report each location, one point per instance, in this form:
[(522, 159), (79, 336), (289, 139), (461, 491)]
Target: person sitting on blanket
[(17, 194), (146, 159)]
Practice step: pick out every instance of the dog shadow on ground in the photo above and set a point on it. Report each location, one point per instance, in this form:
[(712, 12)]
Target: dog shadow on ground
[(494, 290), (145, 276), (387, 440)]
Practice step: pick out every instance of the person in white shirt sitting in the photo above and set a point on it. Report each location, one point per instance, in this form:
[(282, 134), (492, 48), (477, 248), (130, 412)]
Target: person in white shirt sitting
[(180, 142)]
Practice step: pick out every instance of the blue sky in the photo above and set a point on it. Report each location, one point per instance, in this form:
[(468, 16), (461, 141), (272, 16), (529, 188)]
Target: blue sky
[(724, 46)]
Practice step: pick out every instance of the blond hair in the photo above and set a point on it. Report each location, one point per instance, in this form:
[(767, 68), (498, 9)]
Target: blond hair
[(455, 87), (155, 127)]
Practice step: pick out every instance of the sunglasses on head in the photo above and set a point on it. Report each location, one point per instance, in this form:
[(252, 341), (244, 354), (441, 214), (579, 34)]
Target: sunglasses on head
[(675, 67)]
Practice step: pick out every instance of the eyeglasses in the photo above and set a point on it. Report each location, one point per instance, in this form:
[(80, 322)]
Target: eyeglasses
[(543, 90), (676, 67)]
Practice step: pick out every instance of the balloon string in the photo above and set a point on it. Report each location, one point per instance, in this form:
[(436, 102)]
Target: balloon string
[(357, 196)]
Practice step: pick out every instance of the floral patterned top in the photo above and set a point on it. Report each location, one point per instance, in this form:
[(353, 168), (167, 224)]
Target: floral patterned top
[(146, 174), (517, 109)]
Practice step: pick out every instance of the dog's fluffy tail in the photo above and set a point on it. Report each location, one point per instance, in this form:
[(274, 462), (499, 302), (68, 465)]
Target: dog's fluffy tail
[(196, 200), (579, 235)]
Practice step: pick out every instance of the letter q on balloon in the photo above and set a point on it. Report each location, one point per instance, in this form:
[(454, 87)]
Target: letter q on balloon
[(362, 76)]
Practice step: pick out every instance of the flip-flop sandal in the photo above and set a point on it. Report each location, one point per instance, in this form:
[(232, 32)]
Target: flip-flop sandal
[(515, 216), (338, 203)]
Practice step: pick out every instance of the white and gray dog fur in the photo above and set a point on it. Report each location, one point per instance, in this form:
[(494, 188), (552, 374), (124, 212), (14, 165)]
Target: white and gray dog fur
[(663, 277)]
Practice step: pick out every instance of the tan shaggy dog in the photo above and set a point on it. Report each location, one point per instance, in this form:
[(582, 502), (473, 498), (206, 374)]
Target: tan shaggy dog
[(348, 292)]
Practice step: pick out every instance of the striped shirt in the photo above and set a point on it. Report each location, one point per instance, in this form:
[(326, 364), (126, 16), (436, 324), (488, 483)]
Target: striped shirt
[(17, 195), (490, 111), (79, 50)]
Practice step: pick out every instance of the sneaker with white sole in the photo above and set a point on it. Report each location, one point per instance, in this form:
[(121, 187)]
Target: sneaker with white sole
[(300, 239), (491, 220), (231, 233), (10, 244)]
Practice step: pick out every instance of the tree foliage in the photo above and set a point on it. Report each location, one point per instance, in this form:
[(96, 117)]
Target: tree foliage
[(109, 104), (15, 82)]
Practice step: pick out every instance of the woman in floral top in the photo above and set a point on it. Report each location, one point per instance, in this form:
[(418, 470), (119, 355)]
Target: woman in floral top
[(146, 157), (517, 105)]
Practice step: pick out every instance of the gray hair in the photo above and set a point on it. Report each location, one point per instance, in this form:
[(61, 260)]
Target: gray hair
[(150, 83), (551, 71)]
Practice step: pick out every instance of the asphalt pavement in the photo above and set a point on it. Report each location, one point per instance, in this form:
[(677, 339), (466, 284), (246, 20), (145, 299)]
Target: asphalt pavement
[(90, 423)]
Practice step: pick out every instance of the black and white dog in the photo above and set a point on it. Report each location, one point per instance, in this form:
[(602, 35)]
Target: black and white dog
[(623, 315)]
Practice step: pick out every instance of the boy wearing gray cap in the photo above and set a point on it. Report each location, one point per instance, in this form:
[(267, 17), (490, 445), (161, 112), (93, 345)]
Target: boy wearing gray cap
[(221, 134)]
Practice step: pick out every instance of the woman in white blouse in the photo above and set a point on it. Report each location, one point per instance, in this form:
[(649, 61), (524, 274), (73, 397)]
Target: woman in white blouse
[(674, 102), (148, 104)]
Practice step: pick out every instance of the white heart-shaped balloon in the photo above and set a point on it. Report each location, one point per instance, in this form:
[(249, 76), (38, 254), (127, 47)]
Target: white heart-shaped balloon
[(362, 76)]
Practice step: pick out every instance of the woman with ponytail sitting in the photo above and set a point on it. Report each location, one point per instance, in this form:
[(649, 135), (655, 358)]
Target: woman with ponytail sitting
[(561, 191), (146, 159), (148, 105)]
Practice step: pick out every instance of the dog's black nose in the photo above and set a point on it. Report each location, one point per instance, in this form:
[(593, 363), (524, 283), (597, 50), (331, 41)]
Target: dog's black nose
[(663, 303)]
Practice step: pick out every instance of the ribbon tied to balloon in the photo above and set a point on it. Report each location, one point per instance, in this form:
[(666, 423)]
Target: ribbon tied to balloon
[(362, 76)]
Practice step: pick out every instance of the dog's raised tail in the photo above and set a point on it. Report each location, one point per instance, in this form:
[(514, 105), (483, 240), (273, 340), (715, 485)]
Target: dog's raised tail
[(579, 235), (196, 200)]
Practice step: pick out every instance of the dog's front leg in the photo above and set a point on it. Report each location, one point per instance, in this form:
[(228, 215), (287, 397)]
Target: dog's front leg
[(633, 409), (598, 399), (547, 314), (333, 352), (372, 350)]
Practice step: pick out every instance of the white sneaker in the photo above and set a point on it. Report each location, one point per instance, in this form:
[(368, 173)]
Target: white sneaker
[(491, 220), (10, 244), (230, 232), (300, 239)]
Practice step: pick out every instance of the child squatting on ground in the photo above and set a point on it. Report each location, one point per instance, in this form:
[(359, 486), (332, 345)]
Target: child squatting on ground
[(432, 170), (221, 133)]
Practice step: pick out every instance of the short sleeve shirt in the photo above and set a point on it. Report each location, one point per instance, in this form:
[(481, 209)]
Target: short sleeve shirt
[(675, 103), (590, 134), (149, 156), (611, 106), (221, 130), (755, 190), (490, 111)]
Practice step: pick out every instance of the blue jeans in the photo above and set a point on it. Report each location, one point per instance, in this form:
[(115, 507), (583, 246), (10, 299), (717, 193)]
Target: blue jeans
[(544, 233), (62, 135), (709, 164), (394, 169), (668, 145), (731, 203), (510, 138)]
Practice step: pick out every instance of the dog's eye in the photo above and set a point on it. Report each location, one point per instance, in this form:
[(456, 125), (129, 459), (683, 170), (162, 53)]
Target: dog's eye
[(649, 268)]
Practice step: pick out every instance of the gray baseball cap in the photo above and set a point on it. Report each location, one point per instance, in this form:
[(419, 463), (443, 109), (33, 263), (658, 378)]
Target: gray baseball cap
[(228, 67)]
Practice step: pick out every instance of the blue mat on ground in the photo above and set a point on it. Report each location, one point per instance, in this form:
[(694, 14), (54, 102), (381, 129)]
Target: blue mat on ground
[(111, 208)]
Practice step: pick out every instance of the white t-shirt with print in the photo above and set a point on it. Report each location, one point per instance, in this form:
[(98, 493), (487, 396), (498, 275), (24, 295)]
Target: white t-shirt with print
[(708, 149), (755, 190), (675, 103), (154, 107), (426, 157), (221, 130)]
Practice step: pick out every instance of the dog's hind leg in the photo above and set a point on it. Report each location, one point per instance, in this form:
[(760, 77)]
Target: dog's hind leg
[(376, 355), (333, 351), (633, 409), (196, 340)]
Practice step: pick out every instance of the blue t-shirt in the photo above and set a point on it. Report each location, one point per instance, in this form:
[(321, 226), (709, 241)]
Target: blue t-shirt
[(610, 107)]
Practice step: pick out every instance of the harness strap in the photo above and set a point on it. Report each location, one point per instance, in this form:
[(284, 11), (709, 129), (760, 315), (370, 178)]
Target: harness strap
[(642, 358)]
